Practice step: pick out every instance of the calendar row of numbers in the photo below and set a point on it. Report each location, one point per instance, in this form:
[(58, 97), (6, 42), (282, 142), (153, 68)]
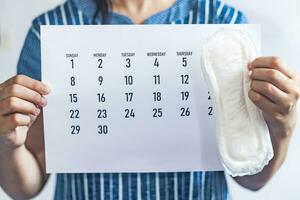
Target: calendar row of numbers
[(130, 113), (129, 97), (129, 59), (129, 80), (102, 129)]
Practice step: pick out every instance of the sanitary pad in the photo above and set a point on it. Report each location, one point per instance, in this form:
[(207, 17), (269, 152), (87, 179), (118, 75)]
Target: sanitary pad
[(242, 135)]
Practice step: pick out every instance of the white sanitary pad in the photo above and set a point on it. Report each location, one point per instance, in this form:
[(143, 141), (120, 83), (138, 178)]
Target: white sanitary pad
[(242, 134)]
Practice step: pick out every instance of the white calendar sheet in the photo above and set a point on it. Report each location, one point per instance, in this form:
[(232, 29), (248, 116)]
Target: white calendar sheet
[(129, 98)]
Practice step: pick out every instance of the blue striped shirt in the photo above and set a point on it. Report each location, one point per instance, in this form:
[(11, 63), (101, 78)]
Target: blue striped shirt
[(127, 186)]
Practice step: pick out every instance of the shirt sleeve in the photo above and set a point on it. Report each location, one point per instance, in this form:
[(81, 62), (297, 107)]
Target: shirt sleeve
[(29, 63), (226, 14)]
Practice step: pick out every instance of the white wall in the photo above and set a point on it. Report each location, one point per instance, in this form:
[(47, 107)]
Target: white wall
[(281, 36)]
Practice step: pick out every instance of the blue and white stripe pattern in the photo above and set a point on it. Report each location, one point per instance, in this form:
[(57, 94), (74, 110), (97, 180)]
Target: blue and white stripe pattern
[(132, 186), (148, 186)]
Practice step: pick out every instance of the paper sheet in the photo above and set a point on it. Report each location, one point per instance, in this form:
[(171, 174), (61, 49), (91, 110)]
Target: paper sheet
[(128, 98)]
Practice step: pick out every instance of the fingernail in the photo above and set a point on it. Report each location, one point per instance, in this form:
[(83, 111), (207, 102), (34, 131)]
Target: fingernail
[(44, 102), (46, 89), (249, 66), (250, 74), (256, 97), (37, 111)]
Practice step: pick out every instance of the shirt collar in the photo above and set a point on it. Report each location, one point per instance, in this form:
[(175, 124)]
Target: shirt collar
[(88, 8)]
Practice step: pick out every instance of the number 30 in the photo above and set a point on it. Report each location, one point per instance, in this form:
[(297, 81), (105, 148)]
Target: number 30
[(102, 129)]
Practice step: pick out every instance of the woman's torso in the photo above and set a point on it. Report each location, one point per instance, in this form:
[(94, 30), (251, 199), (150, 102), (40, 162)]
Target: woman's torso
[(127, 186)]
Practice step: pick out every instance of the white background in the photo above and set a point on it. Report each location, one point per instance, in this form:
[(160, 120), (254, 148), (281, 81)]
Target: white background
[(281, 36)]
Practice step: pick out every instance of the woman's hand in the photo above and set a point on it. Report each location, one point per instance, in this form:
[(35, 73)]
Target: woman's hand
[(21, 168), (21, 99), (275, 89)]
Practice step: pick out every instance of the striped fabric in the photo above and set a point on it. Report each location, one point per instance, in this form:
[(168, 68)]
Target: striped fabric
[(127, 186)]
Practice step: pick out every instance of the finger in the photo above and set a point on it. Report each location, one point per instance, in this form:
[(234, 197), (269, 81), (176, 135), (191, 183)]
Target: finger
[(12, 121), (273, 76), (15, 105), (24, 93), (270, 92), (28, 82), (262, 102), (272, 63)]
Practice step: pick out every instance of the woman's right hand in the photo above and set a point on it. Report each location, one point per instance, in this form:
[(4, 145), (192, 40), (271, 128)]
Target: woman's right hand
[(21, 99)]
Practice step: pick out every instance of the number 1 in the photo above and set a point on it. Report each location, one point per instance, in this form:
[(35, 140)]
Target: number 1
[(72, 62)]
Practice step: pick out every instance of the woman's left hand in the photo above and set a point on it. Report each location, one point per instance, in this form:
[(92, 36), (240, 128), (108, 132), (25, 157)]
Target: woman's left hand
[(275, 89)]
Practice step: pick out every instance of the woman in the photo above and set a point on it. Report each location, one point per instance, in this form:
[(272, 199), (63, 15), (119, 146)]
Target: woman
[(274, 89)]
